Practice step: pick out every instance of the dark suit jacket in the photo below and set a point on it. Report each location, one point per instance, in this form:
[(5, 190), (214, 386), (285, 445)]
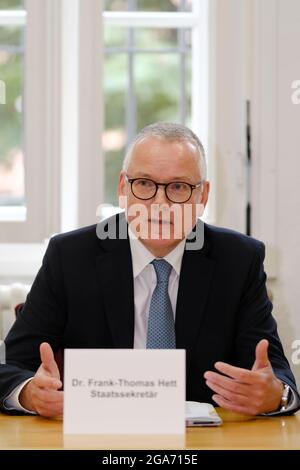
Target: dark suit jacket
[(83, 297)]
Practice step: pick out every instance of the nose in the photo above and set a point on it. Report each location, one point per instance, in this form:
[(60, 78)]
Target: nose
[(160, 196)]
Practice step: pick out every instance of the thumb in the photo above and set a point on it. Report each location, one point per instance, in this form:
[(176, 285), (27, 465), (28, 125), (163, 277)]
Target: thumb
[(261, 355), (48, 361)]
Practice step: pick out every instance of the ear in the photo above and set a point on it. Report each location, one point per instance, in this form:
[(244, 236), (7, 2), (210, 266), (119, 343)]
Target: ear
[(122, 190), (122, 184), (205, 193)]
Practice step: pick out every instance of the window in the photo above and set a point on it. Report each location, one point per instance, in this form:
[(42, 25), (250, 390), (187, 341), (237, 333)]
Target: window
[(138, 83), (12, 191), (29, 207), (54, 81), (147, 73)]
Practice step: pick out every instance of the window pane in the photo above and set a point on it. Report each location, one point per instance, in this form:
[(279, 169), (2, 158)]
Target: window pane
[(11, 155), (114, 137), (159, 5), (116, 5), (135, 93), (148, 5), (11, 4), (145, 38), (115, 36), (158, 97)]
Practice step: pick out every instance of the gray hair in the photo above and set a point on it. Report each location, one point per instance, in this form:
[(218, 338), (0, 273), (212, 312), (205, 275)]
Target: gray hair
[(173, 132)]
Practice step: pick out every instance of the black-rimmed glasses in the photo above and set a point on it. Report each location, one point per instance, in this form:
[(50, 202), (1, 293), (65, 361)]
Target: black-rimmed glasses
[(175, 191)]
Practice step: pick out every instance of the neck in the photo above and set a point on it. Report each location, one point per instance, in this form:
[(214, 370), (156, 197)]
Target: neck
[(159, 251)]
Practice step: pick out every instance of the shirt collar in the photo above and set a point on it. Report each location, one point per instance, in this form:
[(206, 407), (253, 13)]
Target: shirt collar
[(141, 257)]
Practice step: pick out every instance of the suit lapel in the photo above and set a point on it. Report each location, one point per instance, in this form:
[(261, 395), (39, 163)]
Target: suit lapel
[(114, 268), (116, 279), (194, 285)]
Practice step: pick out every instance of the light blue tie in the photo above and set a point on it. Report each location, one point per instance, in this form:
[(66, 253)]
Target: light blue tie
[(161, 328)]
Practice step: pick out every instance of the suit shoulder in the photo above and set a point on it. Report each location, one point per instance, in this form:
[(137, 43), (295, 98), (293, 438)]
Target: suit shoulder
[(90, 233), (82, 236), (78, 234), (231, 240), (74, 248)]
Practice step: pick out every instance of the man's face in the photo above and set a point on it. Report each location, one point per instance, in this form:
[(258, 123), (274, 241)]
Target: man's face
[(160, 223)]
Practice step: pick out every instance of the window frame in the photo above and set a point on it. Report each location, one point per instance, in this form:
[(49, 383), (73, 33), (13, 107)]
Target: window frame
[(74, 185), (199, 20), (41, 124)]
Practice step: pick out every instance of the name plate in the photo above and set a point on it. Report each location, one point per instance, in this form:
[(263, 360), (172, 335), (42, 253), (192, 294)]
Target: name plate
[(124, 391)]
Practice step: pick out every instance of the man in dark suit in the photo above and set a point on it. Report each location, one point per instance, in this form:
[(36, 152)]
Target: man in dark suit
[(95, 289)]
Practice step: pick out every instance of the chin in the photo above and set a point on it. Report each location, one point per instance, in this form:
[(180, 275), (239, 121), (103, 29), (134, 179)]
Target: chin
[(160, 247)]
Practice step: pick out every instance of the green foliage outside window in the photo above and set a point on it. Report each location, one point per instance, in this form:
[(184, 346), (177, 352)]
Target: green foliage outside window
[(11, 4), (11, 74)]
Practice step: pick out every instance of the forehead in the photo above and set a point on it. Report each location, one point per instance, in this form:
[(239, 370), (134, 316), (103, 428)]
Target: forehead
[(169, 158)]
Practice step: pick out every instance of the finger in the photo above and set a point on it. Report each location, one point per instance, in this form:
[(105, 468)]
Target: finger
[(247, 410), (56, 407), (225, 382), (49, 396), (261, 355), (242, 375), (43, 381), (48, 361), (233, 397), (50, 411)]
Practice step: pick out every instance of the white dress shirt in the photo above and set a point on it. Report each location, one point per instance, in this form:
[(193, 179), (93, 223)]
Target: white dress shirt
[(144, 283)]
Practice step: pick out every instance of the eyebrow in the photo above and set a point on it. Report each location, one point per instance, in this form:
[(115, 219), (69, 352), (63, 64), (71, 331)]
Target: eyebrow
[(146, 175)]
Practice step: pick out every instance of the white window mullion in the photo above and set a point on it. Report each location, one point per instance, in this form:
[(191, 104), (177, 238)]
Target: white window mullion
[(54, 117), (12, 18), (143, 19), (91, 165), (70, 115), (42, 117), (201, 91)]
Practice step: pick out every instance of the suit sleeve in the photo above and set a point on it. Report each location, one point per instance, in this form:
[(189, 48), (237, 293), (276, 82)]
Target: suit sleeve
[(42, 318), (256, 322)]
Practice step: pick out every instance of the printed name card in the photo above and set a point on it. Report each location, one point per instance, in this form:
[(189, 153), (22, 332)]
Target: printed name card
[(124, 391)]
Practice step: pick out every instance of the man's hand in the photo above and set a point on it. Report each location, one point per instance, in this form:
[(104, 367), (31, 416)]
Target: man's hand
[(245, 391), (41, 393)]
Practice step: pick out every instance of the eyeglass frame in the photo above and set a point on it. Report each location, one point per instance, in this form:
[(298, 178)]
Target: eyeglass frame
[(165, 185)]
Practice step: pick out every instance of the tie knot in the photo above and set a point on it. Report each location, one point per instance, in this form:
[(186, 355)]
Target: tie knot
[(162, 269)]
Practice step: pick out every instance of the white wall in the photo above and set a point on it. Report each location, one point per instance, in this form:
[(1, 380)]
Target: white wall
[(287, 285), (229, 112), (257, 56)]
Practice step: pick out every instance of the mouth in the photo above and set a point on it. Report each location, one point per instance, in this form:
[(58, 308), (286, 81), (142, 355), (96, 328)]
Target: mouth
[(160, 222)]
